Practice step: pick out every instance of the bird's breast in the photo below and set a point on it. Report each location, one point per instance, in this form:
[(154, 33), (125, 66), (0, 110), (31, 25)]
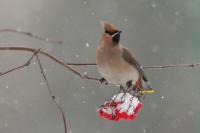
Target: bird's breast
[(115, 69)]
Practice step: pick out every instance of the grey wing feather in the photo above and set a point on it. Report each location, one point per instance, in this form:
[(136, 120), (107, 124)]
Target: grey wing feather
[(130, 59)]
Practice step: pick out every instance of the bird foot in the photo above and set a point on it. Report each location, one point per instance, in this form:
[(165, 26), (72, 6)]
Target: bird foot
[(129, 84), (103, 80)]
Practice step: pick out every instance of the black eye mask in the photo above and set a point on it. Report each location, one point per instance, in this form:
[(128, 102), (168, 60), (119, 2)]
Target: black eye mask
[(111, 33), (115, 36)]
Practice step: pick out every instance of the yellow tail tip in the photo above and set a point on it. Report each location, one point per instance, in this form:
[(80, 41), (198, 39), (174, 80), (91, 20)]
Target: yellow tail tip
[(149, 91)]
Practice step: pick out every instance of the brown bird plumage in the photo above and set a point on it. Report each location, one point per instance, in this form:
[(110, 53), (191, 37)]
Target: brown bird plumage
[(116, 63)]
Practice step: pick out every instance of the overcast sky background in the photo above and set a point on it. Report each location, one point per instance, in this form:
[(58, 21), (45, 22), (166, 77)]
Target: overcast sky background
[(157, 31)]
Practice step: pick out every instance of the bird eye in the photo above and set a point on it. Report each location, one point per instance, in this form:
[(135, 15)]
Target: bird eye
[(110, 33)]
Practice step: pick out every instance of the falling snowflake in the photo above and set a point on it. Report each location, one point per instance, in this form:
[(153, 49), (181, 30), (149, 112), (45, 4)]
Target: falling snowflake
[(19, 29), (87, 45), (125, 20), (154, 5), (177, 13), (82, 87), (162, 97), (41, 83), (47, 39), (85, 73), (155, 49), (85, 2), (144, 130), (77, 56)]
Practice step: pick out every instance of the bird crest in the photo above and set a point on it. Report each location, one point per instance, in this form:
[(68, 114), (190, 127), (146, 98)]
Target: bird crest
[(109, 28)]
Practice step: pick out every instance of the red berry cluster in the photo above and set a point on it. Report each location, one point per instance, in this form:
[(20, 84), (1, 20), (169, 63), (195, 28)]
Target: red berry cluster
[(122, 106)]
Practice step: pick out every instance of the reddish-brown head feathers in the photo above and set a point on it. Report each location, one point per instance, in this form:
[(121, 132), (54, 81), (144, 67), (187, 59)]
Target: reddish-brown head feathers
[(109, 28)]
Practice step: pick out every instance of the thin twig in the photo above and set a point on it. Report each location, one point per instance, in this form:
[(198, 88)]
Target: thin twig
[(170, 66), (143, 67), (80, 64), (44, 76), (31, 35), (27, 63), (52, 95)]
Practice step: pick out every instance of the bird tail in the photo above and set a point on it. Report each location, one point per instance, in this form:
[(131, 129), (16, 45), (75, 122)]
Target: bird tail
[(147, 89)]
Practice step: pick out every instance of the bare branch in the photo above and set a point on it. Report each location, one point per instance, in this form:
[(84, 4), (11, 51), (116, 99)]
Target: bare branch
[(31, 35), (52, 95), (51, 57), (80, 64), (143, 67), (170, 66), (43, 74), (21, 66)]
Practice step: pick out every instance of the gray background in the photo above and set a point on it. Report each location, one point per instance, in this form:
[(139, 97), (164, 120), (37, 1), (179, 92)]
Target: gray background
[(158, 31)]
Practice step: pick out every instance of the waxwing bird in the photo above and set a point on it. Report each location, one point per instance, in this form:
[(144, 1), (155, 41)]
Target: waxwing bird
[(115, 63)]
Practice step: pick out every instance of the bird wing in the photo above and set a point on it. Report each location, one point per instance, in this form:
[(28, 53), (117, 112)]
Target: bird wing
[(127, 56)]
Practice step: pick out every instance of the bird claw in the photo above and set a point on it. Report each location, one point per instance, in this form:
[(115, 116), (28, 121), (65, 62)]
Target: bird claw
[(130, 87), (129, 84), (103, 80)]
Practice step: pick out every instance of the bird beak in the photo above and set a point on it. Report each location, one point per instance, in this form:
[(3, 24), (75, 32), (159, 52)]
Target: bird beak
[(117, 33)]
